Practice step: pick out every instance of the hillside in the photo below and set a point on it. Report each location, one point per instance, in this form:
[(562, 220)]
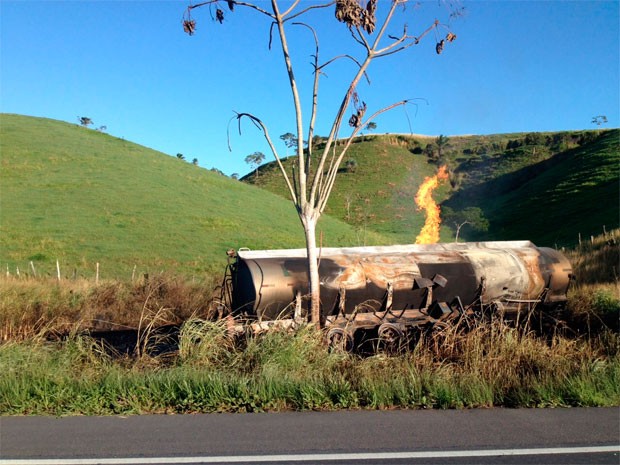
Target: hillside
[(550, 198), (84, 197), (378, 194), (545, 187)]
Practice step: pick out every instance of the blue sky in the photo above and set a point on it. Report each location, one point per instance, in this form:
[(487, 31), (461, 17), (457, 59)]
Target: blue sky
[(516, 66)]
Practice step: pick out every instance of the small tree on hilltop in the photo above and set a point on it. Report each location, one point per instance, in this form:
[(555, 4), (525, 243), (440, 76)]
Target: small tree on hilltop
[(599, 119), (289, 140), (441, 142), (85, 121), (311, 180), (254, 160), (371, 126)]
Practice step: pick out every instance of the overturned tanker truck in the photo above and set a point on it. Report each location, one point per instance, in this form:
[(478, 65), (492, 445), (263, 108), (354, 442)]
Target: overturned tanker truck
[(388, 293)]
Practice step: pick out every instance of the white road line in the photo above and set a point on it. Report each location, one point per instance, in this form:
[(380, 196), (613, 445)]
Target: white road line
[(316, 457)]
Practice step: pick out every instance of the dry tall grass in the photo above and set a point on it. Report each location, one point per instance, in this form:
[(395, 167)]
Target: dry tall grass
[(29, 306), (594, 299)]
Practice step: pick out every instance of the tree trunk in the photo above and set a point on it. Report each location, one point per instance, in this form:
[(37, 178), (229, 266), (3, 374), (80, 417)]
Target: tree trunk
[(308, 219)]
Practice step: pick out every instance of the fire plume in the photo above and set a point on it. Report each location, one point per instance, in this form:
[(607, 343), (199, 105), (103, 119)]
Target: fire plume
[(424, 201)]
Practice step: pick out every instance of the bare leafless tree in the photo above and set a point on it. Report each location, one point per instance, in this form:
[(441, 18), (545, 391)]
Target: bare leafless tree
[(312, 179)]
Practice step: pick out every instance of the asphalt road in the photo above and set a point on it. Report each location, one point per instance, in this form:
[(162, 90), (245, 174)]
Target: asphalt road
[(507, 436)]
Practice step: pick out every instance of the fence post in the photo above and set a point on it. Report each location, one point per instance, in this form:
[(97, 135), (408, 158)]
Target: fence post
[(97, 275), (58, 269), (34, 273)]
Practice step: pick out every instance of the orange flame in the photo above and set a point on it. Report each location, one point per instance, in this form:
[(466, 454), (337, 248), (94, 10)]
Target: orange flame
[(424, 201)]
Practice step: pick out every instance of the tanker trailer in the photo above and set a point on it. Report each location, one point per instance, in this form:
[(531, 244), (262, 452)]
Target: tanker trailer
[(393, 289)]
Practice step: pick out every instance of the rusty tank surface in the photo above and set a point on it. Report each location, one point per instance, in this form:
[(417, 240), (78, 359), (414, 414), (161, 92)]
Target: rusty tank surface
[(394, 289)]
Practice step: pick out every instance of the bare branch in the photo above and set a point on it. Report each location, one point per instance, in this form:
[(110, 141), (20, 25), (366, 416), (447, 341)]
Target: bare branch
[(259, 124), (271, 34), (345, 102), (304, 11), (333, 169), (249, 5), (291, 8), (361, 38), (416, 111), (357, 39), (302, 175), (327, 63), (315, 96), (390, 49)]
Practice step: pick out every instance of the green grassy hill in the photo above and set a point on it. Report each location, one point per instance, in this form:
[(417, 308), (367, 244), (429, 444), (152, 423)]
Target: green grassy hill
[(378, 194), (551, 199), (83, 197), (545, 187)]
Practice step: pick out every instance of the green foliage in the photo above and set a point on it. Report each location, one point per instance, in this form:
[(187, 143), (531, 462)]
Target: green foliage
[(490, 364), (73, 195), (441, 142), (472, 216), (255, 159), (605, 302), (371, 126), (290, 140)]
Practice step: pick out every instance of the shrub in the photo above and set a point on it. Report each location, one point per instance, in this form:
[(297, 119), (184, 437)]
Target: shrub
[(604, 302), (351, 165)]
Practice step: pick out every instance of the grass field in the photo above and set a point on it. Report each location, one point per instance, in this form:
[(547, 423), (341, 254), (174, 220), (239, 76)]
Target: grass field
[(83, 197)]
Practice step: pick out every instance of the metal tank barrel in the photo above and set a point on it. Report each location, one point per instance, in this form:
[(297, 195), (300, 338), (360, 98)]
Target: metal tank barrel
[(266, 283)]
